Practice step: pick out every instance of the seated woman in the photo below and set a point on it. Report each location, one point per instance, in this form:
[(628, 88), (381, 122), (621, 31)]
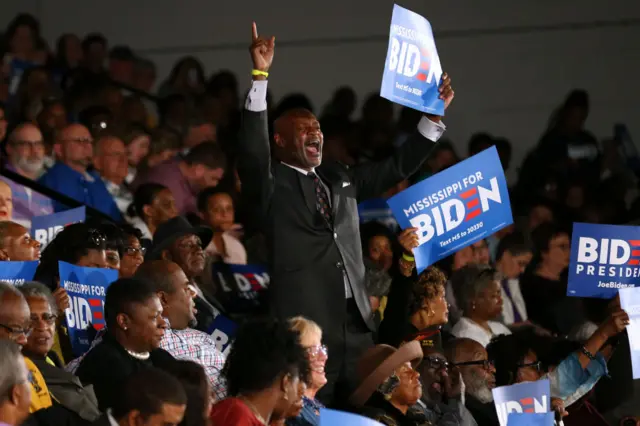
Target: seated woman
[(316, 352), (65, 388), (265, 365), (132, 251), (478, 293), (572, 369), (135, 327), (389, 386), (216, 208), (196, 385), (153, 204)]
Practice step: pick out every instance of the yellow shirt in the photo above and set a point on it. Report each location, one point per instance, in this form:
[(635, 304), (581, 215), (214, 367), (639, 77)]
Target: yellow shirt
[(40, 396)]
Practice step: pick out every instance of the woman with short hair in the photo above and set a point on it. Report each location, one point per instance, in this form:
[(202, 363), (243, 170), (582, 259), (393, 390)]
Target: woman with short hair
[(478, 293)]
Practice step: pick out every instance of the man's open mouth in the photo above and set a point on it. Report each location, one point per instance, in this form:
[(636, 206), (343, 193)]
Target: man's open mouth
[(312, 148)]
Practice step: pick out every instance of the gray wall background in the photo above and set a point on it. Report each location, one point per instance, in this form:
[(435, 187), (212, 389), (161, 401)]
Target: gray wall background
[(511, 61)]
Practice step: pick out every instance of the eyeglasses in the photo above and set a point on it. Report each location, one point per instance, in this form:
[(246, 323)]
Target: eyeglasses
[(190, 245), (29, 144), (132, 251), (49, 319), (485, 363), (537, 365), (80, 141), (436, 363), (314, 351), (15, 332)]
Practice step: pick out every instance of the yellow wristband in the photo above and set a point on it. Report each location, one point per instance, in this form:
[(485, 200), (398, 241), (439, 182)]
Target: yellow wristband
[(258, 72), (408, 258)]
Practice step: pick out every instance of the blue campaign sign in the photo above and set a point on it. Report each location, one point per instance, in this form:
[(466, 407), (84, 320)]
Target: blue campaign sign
[(338, 418), (377, 210), (604, 259), (242, 285), (17, 273), (412, 70), (223, 330), (527, 397), (45, 228), (456, 207), (87, 289), (531, 419), (630, 302)]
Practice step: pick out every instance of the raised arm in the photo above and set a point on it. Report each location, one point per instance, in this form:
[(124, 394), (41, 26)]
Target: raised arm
[(373, 179), (254, 156)]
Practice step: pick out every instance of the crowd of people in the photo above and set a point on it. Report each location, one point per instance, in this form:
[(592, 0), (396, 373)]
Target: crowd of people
[(193, 175)]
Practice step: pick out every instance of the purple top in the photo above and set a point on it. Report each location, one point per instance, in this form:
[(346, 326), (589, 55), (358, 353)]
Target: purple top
[(169, 175)]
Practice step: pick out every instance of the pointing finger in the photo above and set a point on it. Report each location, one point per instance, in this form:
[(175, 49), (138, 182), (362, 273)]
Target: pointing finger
[(254, 30)]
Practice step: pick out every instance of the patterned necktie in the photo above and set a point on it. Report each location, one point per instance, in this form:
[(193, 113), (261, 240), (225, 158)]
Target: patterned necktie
[(322, 199)]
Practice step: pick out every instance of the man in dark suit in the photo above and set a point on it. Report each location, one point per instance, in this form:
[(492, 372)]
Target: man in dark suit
[(309, 214)]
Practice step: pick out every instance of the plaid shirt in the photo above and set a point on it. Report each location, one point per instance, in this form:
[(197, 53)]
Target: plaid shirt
[(199, 347)]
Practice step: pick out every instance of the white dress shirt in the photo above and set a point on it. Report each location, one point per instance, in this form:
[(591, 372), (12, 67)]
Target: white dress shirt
[(257, 102), (471, 330), (515, 301)]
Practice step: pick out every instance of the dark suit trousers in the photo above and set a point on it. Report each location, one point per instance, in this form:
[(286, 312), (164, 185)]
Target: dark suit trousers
[(345, 347)]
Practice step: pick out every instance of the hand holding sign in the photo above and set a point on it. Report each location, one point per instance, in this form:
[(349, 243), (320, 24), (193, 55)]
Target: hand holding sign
[(615, 324), (62, 299), (262, 50), (408, 240)]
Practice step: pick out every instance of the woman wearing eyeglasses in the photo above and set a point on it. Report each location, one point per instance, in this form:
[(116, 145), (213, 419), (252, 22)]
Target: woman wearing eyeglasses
[(572, 369), (311, 340), (65, 388)]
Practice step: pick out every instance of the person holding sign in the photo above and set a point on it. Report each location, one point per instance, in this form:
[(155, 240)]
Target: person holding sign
[(306, 209)]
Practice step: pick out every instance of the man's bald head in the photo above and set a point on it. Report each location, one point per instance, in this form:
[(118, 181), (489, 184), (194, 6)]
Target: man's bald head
[(465, 350), (110, 158), (74, 147), (298, 139), (160, 273)]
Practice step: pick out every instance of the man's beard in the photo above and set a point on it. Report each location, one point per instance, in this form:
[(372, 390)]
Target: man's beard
[(477, 387), (30, 165)]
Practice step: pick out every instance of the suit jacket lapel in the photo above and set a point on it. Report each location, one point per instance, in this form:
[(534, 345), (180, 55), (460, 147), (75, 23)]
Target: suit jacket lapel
[(308, 192)]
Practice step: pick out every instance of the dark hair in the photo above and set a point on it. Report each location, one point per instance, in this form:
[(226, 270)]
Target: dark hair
[(194, 62), (168, 102), (374, 229), (429, 283), (205, 194), (507, 353), (479, 142), (91, 39), (263, 352), (144, 196), (130, 231), (73, 242), (196, 386), (208, 154), (121, 53), (147, 391), (22, 20), (543, 234), (222, 80), (515, 243), (61, 50), (293, 101), (114, 237), (154, 272), (121, 294)]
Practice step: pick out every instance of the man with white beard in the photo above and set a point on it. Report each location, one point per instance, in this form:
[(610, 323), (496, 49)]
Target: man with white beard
[(469, 360), (25, 156)]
